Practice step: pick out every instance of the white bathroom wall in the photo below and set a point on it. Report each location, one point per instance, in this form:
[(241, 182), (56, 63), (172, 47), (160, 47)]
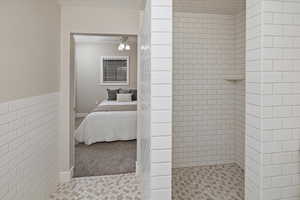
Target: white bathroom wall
[(155, 105), (29, 148), (204, 103), (29, 84), (254, 89), (240, 45), (29, 50), (281, 99), (161, 99), (273, 100)]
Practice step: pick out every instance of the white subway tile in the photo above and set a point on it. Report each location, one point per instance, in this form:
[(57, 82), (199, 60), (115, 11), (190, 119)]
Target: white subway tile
[(161, 12), (161, 182), (161, 156), (24, 145), (161, 25), (162, 142), (161, 194), (159, 169), (161, 77), (4, 108)]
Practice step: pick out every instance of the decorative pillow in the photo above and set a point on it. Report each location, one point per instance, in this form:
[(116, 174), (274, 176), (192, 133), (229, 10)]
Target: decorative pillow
[(124, 97), (124, 91), (134, 94), (112, 94)]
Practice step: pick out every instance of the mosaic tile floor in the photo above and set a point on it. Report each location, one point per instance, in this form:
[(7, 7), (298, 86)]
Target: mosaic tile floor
[(216, 182), (114, 187)]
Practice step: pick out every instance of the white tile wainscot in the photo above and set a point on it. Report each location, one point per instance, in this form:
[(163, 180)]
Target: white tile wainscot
[(28, 148)]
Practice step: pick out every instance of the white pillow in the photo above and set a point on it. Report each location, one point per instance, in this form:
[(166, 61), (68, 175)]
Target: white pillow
[(124, 97)]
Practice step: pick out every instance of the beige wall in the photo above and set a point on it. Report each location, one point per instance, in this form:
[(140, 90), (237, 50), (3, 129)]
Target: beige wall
[(29, 48), (88, 62), (85, 19)]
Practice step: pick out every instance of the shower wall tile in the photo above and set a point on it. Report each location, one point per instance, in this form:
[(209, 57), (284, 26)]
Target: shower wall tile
[(204, 104), (240, 53)]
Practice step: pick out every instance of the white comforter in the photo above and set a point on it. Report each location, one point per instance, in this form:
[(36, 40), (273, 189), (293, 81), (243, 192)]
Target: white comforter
[(107, 127)]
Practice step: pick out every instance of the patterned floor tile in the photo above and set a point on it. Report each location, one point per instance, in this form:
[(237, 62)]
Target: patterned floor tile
[(115, 187), (216, 182)]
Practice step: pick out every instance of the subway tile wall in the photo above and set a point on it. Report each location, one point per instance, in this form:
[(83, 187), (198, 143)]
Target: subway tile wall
[(240, 52), (155, 86), (28, 148), (253, 158), (273, 89), (280, 99), (208, 111), (161, 99)]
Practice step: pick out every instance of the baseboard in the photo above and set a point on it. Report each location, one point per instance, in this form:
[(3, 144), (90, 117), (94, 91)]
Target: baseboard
[(80, 115), (66, 176)]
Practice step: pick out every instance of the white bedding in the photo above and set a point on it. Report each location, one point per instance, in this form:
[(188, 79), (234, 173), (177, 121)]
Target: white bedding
[(108, 126)]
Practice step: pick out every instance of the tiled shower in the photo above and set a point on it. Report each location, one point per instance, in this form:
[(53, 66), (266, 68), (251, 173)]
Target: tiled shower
[(208, 89), (208, 99), (235, 100)]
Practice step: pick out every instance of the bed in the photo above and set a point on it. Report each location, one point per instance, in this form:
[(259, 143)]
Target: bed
[(109, 121)]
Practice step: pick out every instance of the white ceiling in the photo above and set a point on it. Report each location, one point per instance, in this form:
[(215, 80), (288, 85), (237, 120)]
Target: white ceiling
[(209, 6), (101, 39)]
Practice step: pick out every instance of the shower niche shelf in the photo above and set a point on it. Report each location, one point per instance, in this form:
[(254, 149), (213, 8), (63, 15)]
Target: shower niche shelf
[(234, 78)]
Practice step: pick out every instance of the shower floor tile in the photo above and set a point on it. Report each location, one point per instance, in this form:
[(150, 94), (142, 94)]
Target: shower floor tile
[(115, 187), (215, 182)]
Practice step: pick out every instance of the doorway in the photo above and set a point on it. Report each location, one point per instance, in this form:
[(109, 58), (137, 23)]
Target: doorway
[(104, 104)]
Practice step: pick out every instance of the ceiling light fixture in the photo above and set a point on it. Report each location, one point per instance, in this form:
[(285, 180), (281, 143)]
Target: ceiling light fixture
[(124, 44)]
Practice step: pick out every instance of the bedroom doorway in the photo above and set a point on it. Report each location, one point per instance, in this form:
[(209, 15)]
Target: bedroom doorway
[(104, 104)]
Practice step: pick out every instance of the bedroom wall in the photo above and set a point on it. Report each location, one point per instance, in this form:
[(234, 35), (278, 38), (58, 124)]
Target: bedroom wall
[(88, 62), (29, 84)]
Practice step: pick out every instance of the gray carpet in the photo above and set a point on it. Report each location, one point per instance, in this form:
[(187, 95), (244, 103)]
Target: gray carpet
[(105, 158)]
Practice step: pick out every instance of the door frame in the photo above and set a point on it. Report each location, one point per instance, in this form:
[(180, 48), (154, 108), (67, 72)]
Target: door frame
[(67, 103)]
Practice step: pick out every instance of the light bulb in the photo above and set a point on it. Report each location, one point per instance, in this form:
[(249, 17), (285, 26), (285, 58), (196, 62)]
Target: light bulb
[(121, 47), (127, 47)]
